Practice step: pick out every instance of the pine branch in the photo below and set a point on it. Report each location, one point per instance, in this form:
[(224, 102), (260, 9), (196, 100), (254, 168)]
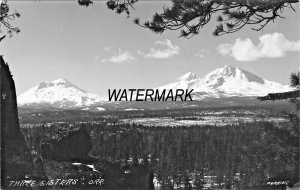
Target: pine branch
[(191, 16), (2, 38)]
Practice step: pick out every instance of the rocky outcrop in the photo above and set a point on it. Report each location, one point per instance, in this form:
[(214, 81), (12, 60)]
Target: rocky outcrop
[(81, 176), (72, 147), (16, 162)]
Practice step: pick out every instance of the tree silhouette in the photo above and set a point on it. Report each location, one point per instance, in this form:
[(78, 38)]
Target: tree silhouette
[(191, 15), (5, 17), (292, 95), (85, 2)]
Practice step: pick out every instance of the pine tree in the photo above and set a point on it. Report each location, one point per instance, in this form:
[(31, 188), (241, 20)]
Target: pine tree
[(5, 17), (293, 96), (191, 15)]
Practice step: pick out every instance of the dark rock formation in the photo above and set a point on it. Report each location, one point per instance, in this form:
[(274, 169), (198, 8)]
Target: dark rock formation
[(84, 177), (139, 177), (16, 162), (118, 176), (73, 147)]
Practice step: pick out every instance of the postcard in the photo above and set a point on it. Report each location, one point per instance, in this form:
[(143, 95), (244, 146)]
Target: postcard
[(149, 94)]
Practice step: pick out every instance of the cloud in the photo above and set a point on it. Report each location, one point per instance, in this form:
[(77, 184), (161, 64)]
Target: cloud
[(169, 50), (120, 57), (201, 53), (107, 48), (270, 46), (97, 57)]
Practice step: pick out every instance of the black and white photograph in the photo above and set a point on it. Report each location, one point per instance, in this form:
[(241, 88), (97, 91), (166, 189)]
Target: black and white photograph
[(150, 94)]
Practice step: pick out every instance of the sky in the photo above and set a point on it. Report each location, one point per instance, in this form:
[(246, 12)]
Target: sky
[(97, 49)]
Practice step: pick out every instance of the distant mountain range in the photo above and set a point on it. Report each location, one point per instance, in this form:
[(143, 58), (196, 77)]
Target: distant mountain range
[(227, 82)]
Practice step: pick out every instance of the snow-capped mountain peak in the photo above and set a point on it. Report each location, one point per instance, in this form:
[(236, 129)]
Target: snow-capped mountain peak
[(182, 82), (227, 70), (232, 75), (60, 81), (227, 81), (58, 93), (188, 77)]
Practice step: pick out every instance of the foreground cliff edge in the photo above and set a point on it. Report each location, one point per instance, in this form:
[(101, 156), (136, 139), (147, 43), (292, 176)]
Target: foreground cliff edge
[(16, 161)]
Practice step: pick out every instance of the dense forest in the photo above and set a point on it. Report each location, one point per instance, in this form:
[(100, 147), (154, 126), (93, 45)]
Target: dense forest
[(240, 156)]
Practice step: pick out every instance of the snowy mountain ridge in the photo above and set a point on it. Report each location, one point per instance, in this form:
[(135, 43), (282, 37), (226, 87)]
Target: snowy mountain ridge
[(59, 93), (227, 81)]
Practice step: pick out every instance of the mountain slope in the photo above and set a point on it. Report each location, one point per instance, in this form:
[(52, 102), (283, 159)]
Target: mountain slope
[(59, 93), (227, 81), (186, 81)]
